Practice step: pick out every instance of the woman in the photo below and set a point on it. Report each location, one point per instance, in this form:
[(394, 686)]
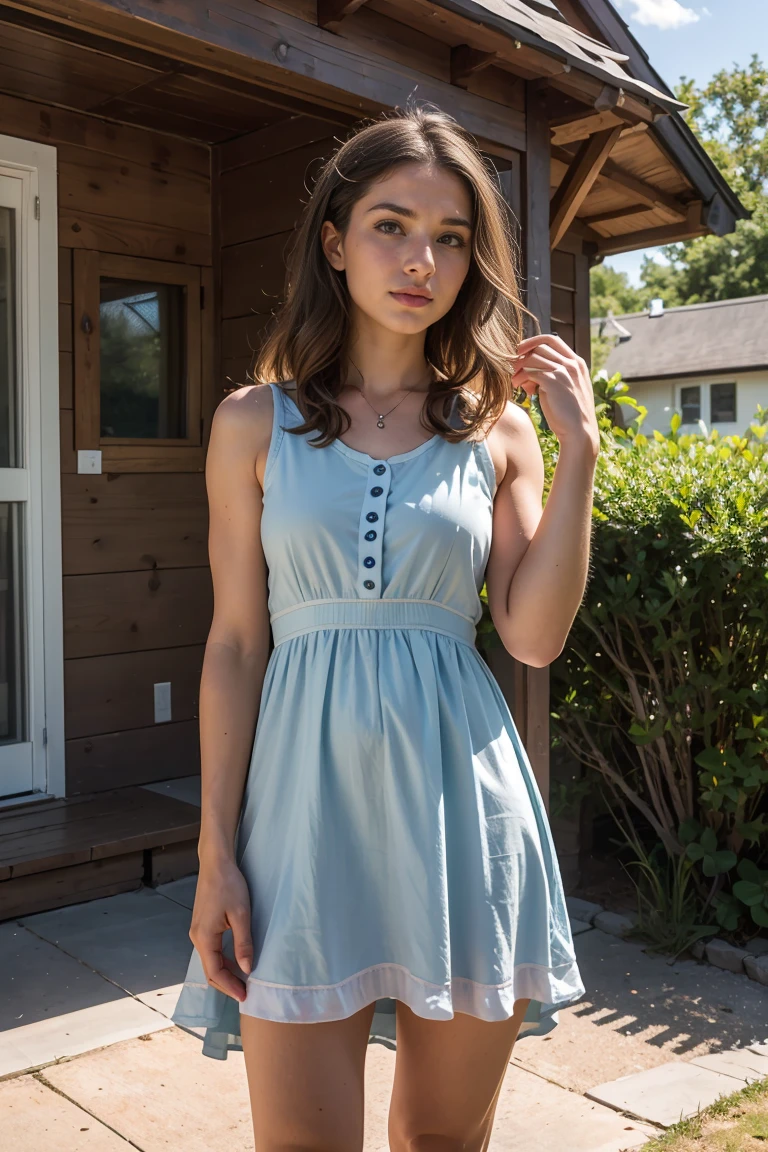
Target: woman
[(371, 826)]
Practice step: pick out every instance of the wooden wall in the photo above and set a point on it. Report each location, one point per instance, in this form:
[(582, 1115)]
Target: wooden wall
[(264, 180), (137, 595)]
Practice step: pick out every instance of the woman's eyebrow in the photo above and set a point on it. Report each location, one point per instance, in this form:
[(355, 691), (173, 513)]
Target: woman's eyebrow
[(410, 214)]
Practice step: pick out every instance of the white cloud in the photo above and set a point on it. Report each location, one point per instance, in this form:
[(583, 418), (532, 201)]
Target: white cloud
[(664, 14)]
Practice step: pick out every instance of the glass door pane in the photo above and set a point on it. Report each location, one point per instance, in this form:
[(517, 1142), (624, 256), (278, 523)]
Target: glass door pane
[(15, 749)]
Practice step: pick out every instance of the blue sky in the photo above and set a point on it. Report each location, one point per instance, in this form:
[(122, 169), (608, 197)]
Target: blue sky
[(696, 40)]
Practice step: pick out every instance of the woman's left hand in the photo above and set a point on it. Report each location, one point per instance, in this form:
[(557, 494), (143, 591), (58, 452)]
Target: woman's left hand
[(548, 367)]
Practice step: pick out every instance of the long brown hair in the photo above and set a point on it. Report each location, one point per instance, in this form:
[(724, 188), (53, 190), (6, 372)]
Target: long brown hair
[(470, 349)]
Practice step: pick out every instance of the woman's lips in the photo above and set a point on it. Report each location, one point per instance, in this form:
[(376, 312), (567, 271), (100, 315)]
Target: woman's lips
[(411, 300)]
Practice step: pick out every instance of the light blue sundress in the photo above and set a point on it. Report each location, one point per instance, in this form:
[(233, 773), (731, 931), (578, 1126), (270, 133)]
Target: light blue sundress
[(393, 836)]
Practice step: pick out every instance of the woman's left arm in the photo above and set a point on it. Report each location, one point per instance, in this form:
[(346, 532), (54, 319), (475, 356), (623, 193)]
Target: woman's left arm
[(539, 561)]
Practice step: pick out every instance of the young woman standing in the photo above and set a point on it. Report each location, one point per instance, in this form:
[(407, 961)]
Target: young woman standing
[(371, 826)]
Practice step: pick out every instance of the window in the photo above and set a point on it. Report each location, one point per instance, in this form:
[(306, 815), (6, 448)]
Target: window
[(142, 342), (722, 403), (690, 402)]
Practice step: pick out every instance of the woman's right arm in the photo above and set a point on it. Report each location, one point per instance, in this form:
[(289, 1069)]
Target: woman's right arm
[(234, 664)]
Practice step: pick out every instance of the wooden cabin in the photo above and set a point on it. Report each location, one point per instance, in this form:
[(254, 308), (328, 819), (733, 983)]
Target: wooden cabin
[(154, 158)]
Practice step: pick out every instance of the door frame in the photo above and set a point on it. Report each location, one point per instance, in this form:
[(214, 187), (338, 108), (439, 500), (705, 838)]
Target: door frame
[(36, 165)]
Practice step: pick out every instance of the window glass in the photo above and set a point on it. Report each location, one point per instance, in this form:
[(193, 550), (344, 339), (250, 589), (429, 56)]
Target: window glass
[(690, 402), (9, 367), (143, 369), (722, 399)]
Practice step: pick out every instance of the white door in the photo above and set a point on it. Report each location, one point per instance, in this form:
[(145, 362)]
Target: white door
[(29, 485)]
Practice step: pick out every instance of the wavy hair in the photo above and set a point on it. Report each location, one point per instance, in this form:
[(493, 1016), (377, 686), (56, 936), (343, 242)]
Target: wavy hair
[(470, 349)]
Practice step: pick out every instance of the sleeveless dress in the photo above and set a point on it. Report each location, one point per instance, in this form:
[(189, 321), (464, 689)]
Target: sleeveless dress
[(392, 835)]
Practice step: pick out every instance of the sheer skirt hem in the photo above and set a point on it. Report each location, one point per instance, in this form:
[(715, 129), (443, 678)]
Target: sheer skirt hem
[(548, 989)]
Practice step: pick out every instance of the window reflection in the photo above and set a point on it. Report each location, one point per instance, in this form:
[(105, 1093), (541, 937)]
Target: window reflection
[(143, 369)]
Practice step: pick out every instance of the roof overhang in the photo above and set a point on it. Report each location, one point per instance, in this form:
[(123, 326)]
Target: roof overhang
[(572, 47)]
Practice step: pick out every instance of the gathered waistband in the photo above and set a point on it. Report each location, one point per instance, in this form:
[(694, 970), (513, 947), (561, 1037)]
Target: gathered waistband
[(312, 615)]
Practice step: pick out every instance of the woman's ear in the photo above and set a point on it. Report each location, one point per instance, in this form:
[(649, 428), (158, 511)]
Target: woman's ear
[(332, 245)]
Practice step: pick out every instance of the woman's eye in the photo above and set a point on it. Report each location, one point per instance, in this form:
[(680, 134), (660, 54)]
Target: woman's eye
[(385, 223), (460, 242)]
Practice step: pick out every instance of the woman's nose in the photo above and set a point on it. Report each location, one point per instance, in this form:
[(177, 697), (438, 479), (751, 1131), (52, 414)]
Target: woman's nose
[(420, 259)]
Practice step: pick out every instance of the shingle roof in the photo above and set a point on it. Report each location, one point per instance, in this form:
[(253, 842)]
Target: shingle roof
[(527, 21), (720, 336)]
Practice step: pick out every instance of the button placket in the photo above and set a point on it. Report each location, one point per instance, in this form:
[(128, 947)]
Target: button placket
[(371, 532)]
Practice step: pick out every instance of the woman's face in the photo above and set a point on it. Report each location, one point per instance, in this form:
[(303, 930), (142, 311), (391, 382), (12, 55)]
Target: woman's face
[(411, 230)]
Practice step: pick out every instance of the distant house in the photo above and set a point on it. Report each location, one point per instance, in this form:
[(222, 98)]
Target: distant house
[(708, 362)]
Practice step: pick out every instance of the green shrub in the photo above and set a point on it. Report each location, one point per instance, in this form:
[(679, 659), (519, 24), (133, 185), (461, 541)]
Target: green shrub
[(662, 689)]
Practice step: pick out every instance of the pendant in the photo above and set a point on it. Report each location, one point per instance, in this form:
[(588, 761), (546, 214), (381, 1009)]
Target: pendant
[(380, 422)]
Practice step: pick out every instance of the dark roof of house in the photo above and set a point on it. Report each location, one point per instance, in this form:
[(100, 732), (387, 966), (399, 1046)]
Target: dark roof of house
[(540, 25), (720, 336)]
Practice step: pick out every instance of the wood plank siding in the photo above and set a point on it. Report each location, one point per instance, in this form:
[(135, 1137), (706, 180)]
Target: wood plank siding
[(187, 141), (137, 591)]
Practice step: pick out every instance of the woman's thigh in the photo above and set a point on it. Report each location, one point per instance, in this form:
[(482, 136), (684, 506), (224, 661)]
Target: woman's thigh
[(306, 1082), (448, 1076)]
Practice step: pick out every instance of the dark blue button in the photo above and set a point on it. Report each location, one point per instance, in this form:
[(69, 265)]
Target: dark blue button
[(369, 561), (372, 517), (371, 535), (368, 584), (377, 491), (380, 469)]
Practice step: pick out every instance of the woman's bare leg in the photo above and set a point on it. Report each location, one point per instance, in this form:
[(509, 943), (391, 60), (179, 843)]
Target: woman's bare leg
[(306, 1082), (448, 1076)]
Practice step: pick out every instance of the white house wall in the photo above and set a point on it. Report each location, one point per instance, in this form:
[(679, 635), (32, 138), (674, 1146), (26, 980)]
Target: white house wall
[(662, 398)]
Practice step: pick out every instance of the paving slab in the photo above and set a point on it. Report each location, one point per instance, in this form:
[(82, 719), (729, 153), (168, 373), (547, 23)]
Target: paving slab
[(35, 1118), (139, 940), (667, 1093), (745, 1065), (163, 1094), (182, 891), (534, 1115), (640, 1011), (51, 1006), (578, 926)]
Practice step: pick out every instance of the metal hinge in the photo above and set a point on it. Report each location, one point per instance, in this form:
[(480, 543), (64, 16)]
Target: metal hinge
[(45, 735), (37, 207)]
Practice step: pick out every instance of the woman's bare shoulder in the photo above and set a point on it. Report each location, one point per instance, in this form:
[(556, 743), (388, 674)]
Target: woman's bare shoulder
[(242, 428), (512, 442)]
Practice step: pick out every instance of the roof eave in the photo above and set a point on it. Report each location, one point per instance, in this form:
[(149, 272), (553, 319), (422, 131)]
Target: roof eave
[(722, 206), (476, 12)]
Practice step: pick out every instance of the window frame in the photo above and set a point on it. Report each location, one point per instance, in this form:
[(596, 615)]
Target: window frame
[(724, 384), (689, 387), (127, 454)]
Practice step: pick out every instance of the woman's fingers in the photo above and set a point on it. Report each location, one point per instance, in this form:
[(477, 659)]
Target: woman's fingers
[(240, 922), (214, 965)]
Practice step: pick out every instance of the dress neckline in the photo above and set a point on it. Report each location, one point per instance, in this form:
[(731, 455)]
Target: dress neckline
[(356, 454)]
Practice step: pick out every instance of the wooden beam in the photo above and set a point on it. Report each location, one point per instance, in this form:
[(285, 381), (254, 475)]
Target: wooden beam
[(578, 180), (613, 173), (536, 205), (569, 129), (614, 214), (258, 43), (332, 13), (650, 237), (466, 61)]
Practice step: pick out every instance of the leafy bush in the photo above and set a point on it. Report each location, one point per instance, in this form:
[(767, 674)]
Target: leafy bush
[(662, 689)]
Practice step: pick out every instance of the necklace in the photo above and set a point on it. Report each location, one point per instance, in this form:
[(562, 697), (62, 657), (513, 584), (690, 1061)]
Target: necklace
[(380, 422)]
